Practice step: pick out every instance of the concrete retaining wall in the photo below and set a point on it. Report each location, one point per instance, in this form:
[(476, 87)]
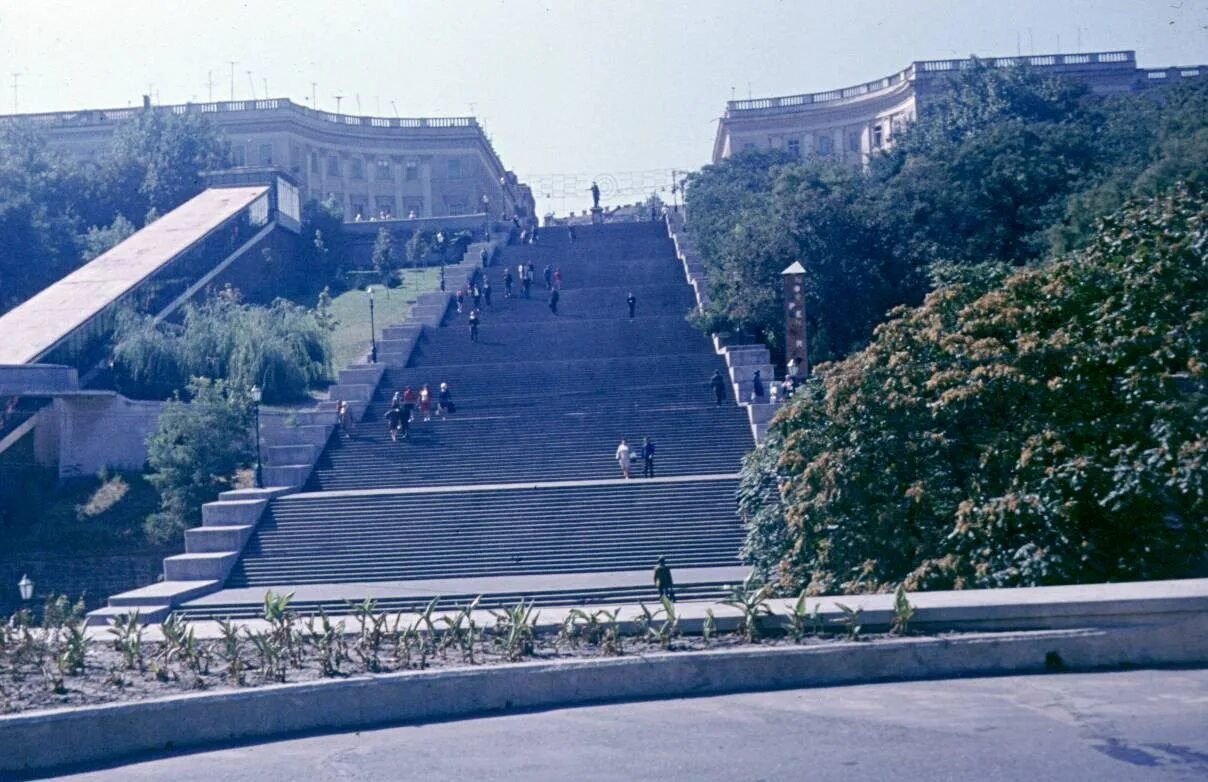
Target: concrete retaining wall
[(87, 735), (103, 431)]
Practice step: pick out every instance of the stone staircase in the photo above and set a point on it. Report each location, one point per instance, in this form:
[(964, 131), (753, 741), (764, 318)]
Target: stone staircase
[(520, 483), (742, 357)]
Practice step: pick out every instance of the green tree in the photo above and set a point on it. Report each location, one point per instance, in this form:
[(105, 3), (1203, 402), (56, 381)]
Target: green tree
[(99, 241), (156, 162), (419, 246), (38, 215), (383, 257), (196, 451), (325, 242), (1028, 427)]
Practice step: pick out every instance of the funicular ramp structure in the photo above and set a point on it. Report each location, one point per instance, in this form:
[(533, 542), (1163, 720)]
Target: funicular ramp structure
[(518, 494), (51, 343)]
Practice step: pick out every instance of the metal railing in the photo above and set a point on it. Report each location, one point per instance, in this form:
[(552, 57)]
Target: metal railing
[(101, 116), (926, 66)]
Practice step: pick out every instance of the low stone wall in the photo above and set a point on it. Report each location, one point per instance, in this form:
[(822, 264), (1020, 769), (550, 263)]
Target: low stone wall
[(93, 577), (48, 739)]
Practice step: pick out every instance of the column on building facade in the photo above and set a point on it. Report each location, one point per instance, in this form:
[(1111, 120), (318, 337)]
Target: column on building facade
[(425, 178)]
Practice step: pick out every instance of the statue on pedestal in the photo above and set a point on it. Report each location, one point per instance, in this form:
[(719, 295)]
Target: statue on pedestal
[(595, 195)]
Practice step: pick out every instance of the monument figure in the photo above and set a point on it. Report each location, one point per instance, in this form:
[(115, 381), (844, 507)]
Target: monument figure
[(595, 195)]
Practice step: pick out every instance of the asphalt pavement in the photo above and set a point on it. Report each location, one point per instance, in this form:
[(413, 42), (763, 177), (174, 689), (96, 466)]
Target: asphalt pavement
[(1131, 725)]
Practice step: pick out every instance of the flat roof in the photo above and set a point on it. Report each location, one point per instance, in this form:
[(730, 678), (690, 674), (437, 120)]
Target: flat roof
[(41, 322)]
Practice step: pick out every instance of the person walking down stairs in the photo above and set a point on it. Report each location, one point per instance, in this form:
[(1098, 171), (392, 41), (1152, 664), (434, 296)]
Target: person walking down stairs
[(623, 458), (663, 581), (344, 416), (425, 402), (757, 387), (444, 402), (474, 326), (558, 277), (553, 301), (647, 458), (719, 387), (395, 423), (548, 273), (507, 283)]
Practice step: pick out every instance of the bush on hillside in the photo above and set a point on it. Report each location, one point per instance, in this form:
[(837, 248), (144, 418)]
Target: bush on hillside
[(196, 451), (1040, 426)]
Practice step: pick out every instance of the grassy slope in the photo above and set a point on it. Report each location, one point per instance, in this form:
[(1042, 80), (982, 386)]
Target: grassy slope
[(350, 342)]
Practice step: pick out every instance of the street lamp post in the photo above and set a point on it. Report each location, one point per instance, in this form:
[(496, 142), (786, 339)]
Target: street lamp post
[(257, 395), (372, 329), (26, 587), (486, 212)]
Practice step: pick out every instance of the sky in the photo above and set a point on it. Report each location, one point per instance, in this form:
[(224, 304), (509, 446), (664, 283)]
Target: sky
[(625, 91)]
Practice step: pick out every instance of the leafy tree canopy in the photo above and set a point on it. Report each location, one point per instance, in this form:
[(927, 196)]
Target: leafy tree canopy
[(1022, 427), (1002, 167)]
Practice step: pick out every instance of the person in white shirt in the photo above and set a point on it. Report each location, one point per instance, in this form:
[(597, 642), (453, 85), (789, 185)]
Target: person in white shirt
[(623, 458)]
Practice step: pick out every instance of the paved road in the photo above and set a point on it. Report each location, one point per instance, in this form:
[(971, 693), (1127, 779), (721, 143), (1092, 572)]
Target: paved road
[(1136, 725)]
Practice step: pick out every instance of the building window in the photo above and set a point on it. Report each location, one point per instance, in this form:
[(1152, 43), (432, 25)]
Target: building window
[(748, 147), (413, 207), (853, 142), (794, 147), (238, 155), (455, 170), (266, 154), (878, 136), (358, 212), (357, 165), (385, 207), (314, 162), (457, 207), (412, 171), (825, 145), (333, 165), (383, 169)]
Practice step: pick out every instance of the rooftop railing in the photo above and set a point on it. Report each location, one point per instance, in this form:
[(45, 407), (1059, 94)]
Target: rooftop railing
[(771, 105), (102, 116)]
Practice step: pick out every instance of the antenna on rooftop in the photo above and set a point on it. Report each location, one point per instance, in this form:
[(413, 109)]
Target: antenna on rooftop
[(210, 85), (358, 97), (232, 64), (265, 80), (251, 84), (15, 77), (338, 99), (395, 108), (314, 95)]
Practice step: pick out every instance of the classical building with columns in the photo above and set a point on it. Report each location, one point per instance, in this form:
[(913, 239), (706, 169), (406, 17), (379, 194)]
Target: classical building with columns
[(429, 167), (851, 123)]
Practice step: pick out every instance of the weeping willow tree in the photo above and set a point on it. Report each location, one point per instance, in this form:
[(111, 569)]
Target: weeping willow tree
[(282, 348)]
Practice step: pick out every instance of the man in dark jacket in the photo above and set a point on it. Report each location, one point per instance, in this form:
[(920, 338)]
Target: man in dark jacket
[(647, 458), (662, 580), (632, 301), (719, 387), (474, 326), (553, 301)]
